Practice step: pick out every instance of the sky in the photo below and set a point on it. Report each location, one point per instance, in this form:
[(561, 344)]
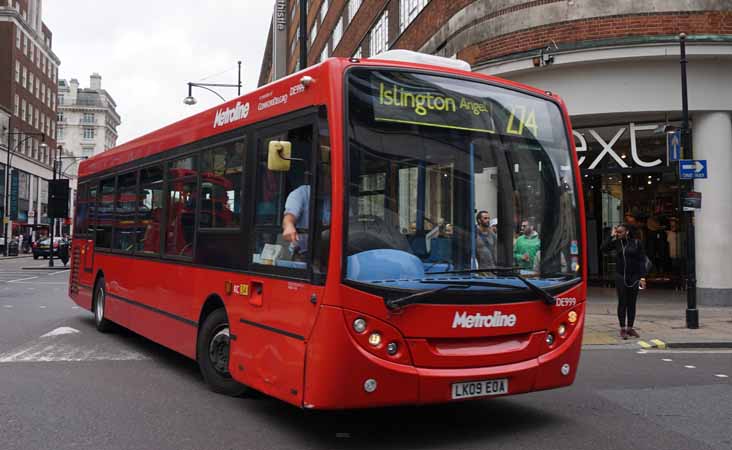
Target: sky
[(147, 52)]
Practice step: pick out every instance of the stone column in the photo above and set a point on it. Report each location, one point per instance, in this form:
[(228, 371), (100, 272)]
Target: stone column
[(712, 140)]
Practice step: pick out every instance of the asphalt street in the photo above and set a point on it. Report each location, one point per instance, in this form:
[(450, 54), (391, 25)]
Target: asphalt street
[(65, 386)]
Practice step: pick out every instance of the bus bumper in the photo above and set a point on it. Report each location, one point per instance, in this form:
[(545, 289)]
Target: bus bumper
[(340, 374)]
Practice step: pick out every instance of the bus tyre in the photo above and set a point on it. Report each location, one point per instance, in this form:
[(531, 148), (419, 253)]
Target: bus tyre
[(213, 355), (98, 306)]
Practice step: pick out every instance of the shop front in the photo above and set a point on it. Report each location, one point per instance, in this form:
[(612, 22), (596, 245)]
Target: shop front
[(628, 177)]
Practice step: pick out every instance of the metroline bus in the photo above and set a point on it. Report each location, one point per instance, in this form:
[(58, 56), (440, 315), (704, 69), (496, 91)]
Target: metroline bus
[(316, 239)]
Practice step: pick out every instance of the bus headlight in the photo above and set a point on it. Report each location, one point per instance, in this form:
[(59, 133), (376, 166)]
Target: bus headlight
[(359, 325), (549, 339), (562, 329)]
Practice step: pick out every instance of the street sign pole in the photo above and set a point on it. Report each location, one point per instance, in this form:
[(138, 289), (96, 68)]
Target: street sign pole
[(692, 313)]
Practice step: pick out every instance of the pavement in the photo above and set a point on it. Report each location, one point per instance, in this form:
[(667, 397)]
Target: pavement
[(660, 321)]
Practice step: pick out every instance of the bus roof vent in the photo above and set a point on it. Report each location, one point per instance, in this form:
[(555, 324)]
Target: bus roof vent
[(423, 58)]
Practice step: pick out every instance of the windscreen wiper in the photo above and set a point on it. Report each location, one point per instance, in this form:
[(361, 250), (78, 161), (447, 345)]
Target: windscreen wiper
[(543, 293), (397, 303)]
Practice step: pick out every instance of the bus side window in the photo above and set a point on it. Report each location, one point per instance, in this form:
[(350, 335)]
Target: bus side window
[(280, 193), (149, 211), (181, 207), (124, 212), (81, 214), (105, 210), (220, 240), (91, 221)]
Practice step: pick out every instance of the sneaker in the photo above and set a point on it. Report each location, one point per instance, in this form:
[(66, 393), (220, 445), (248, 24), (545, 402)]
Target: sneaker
[(633, 333), (623, 333)]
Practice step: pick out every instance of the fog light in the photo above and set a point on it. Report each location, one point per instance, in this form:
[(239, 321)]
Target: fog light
[(359, 325), (565, 369), (572, 317), (562, 329), (391, 348), (369, 385), (549, 339), (375, 339)]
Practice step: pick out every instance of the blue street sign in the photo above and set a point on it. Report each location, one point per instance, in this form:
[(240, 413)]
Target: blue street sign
[(673, 145), (692, 168)]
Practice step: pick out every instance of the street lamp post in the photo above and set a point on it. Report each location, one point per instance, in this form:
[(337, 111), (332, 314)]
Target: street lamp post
[(692, 313), (191, 100), (10, 151)]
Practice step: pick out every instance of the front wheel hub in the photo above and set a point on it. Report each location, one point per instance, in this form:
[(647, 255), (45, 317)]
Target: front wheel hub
[(218, 351)]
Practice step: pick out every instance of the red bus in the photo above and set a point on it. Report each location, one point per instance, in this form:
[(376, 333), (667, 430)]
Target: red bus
[(324, 239)]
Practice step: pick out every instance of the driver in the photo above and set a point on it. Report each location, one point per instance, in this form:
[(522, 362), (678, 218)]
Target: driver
[(297, 215)]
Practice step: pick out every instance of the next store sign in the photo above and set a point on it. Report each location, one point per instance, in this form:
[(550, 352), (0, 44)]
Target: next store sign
[(607, 147)]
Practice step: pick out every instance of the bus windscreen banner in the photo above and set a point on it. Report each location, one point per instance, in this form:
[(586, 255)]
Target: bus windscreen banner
[(442, 102)]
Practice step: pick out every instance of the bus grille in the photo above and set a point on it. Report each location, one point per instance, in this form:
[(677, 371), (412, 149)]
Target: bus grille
[(75, 263)]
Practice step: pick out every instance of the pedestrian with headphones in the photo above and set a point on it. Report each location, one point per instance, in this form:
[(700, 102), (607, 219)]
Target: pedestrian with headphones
[(630, 274)]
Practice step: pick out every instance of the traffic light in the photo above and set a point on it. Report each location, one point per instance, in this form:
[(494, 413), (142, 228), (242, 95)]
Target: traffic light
[(58, 199)]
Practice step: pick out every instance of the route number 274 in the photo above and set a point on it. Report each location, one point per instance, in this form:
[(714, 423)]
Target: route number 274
[(521, 118)]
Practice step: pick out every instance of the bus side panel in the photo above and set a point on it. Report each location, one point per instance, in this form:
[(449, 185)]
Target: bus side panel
[(155, 306)]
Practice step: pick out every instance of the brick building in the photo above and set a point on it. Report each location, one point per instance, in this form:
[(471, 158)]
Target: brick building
[(616, 64), (28, 80)]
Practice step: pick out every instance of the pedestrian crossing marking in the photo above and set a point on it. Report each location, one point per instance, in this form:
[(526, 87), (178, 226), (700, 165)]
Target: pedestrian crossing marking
[(659, 343), (644, 344)]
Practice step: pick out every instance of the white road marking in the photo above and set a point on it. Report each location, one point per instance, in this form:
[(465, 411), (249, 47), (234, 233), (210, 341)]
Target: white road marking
[(721, 375), (667, 359), (21, 279), (74, 307), (43, 306), (60, 271), (690, 367), (7, 306), (61, 330), (40, 282), (61, 345)]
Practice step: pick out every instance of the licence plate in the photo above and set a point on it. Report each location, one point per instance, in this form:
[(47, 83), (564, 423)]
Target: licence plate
[(479, 388)]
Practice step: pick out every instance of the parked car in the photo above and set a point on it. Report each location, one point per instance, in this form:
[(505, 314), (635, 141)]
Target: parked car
[(43, 247)]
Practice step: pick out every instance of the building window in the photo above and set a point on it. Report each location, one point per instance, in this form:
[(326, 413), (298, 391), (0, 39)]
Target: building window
[(22, 109), (88, 118), (60, 99), (29, 117), (323, 10), (380, 35), (24, 79), (353, 7), (17, 71), (60, 133), (17, 37), (30, 82), (88, 133), (337, 33), (358, 53), (60, 116), (313, 32), (16, 105), (25, 45)]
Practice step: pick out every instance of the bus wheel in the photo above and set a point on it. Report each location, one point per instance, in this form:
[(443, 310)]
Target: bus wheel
[(100, 296), (213, 355)]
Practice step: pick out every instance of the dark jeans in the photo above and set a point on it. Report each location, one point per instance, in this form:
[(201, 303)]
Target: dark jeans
[(627, 297)]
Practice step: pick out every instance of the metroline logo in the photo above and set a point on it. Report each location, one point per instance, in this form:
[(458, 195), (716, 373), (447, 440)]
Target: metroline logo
[(228, 115), (498, 319)]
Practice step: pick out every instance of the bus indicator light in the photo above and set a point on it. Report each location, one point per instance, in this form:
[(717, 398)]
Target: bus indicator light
[(375, 339), (572, 317)]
